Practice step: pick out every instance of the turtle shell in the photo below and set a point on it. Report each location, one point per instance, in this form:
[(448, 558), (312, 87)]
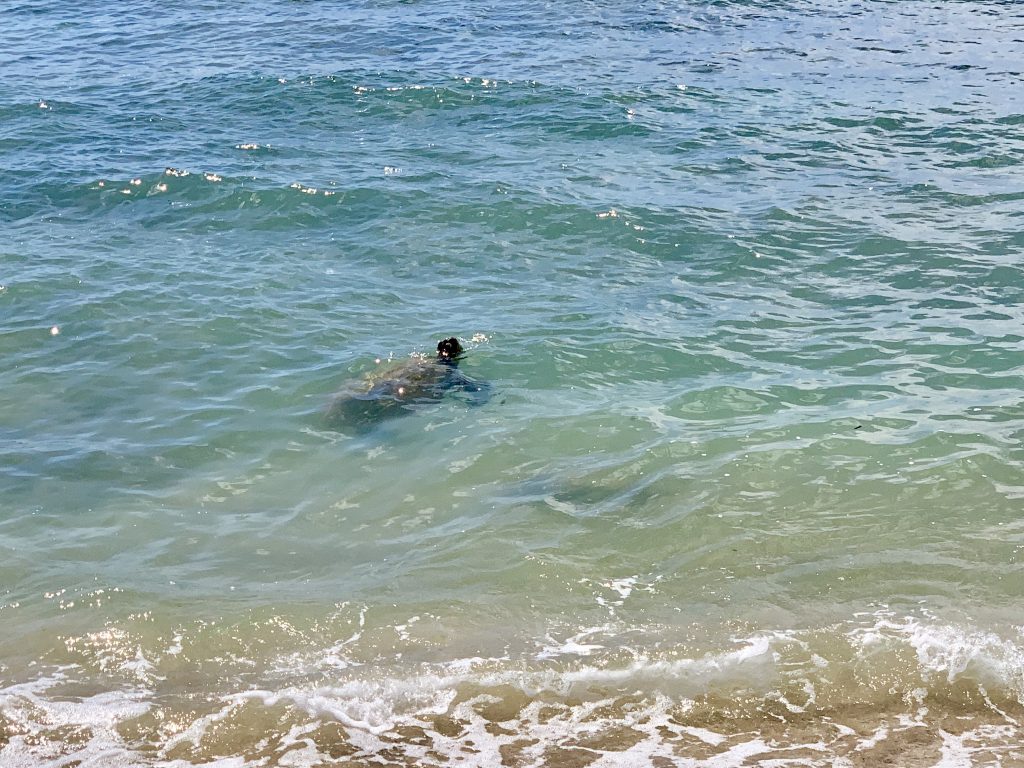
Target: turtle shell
[(390, 391)]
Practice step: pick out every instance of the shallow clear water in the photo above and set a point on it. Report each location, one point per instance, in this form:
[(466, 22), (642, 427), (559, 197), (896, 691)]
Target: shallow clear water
[(745, 280)]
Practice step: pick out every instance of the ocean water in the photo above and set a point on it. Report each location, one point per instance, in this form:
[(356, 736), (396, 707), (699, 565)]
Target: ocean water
[(746, 280)]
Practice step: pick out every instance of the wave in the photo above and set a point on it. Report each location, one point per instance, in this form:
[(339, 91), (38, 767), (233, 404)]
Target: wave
[(908, 689)]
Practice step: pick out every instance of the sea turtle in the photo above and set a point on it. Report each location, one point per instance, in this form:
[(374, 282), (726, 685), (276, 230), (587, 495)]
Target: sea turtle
[(398, 389)]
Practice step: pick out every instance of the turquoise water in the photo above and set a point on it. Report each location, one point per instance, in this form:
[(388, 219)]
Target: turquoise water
[(744, 278)]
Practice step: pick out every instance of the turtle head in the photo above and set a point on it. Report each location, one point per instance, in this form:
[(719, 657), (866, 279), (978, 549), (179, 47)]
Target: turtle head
[(449, 350)]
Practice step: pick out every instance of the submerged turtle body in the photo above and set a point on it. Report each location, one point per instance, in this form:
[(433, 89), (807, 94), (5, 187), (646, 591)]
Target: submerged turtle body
[(398, 389)]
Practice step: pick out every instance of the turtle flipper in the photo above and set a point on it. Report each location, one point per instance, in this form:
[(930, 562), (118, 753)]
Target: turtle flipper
[(475, 392)]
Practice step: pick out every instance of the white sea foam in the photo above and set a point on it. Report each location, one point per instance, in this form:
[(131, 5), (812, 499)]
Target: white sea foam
[(87, 726), (375, 707), (572, 646), (947, 651), (570, 697), (217, 762)]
